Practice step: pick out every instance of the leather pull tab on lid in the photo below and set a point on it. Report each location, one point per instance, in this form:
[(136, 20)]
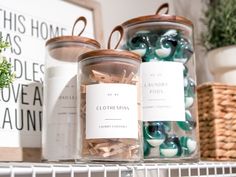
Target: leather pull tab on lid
[(121, 32), (80, 19), (163, 6)]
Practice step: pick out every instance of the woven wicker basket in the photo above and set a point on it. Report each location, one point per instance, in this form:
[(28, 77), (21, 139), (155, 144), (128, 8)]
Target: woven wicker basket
[(217, 121)]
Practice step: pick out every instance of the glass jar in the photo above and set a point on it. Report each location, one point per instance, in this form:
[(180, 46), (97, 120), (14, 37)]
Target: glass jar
[(60, 98), (169, 105), (108, 101)]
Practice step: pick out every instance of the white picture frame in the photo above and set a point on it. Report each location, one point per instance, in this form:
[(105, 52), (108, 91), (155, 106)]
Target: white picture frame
[(27, 25)]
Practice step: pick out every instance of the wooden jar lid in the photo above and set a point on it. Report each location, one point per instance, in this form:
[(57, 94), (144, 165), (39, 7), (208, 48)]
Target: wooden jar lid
[(110, 53), (110, 61), (158, 17), (69, 48)]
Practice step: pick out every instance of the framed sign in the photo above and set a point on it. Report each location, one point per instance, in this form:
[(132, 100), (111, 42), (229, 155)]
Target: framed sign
[(27, 25)]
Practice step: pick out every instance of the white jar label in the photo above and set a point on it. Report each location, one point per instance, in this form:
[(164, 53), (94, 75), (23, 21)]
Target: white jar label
[(163, 91), (111, 111)]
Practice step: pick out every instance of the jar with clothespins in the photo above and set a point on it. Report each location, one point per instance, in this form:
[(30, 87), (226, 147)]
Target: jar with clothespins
[(59, 109), (109, 105)]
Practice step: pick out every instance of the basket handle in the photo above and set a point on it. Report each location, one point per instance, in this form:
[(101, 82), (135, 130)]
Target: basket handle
[(119, 29), (84, 20), (163, 6)]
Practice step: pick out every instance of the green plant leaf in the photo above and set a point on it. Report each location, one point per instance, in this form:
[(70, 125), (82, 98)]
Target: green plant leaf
[(6, 75), (220, 22)]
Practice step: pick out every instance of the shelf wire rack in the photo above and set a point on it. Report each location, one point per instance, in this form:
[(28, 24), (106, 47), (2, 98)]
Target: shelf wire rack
[(200, 169)]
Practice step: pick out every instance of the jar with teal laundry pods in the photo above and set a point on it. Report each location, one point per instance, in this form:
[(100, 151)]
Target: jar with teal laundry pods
[(169, 105)]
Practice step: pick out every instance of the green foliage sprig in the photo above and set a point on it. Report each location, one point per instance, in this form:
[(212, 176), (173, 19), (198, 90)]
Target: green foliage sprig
[(220, 20), (6, 75)]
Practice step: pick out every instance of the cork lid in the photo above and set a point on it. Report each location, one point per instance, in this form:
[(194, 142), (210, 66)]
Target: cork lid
[(69, 48), (158, 17)]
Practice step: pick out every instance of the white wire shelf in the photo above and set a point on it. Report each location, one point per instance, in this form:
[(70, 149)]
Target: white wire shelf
[(208, 169)]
